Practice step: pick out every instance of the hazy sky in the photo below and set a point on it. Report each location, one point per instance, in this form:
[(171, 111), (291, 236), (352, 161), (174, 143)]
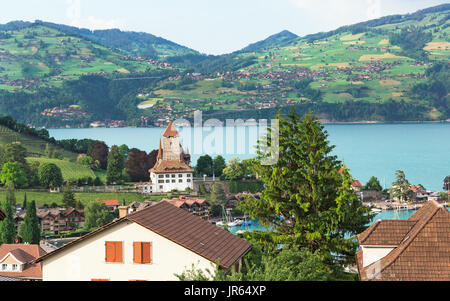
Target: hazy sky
[(209, 26)]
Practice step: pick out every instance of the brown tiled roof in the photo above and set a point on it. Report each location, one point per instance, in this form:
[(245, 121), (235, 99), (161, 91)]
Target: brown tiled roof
[(185, 229), (171, 166), (24, 253), (423, 253), (386, 232), (193, 233), (170, 131), (178, 202)]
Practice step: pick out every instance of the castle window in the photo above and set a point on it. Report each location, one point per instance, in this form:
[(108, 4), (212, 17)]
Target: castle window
[(167, 176), (167, 181), (180, 175), (173, 176), (188, 175), (174, 181), (188, 180), (180, 180), (160, 176)]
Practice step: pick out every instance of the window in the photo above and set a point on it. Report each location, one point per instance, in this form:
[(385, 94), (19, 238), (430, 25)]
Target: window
[(161, 187), (180, 180), (167, 181), (188, 180), (160, 176), (4, 267), (174, 181), (142, 252), (188, 175), (14, 267), (167, 176), (180, 175), (113, 251), (160, 181), (173, 176)]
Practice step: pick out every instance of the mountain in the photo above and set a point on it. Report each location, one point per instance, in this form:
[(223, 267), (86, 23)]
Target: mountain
[(135, 43), (280, 39), (395, 68)]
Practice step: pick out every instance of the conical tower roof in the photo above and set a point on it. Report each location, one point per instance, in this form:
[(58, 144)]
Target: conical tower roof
[(159, 151), (171, 131)]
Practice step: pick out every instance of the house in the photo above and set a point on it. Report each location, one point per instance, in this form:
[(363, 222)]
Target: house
[(356, 185), (56, 219), (111, 204), (15, 261), (416, 249), (198, 207), (152, 244), (171, 170)]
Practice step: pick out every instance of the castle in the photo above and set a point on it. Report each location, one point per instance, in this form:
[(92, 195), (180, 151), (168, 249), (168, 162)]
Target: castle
[(171, 170)]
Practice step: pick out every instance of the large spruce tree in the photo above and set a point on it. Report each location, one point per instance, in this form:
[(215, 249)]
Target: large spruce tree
[(7, 227), (68, 196), (115, 165), (308, 201), (30, 231)]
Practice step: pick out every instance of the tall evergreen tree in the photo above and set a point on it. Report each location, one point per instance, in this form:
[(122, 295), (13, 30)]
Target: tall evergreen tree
[(401, 188), (31, 230), (307, 202), (24, 205), (7, 227), (68, 196), (11, 194), (115, 165)]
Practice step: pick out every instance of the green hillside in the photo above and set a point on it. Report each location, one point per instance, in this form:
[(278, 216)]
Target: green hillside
[(41, 56), (34, 146), (355, 64), (394, 68), (70, 170)]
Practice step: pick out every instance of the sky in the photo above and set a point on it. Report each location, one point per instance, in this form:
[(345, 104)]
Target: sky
[(209, 26)]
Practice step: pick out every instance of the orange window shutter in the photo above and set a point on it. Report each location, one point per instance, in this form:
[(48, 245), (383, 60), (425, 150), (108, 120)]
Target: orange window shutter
[(118, 252), (109, 251), (146, 252), (137, 252)]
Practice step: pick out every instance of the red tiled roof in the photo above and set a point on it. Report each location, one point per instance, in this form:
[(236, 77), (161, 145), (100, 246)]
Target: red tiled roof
[(26, 254), (183, 228), (422, 254), (171, 166), (111, 202), (356, 183), (170, 131)]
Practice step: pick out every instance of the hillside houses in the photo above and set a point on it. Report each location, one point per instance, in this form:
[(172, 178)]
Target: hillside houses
[(55, 220)]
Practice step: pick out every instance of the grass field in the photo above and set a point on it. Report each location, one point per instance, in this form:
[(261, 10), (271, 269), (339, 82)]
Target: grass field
[(32, 144), (48, 198), (70, 170)]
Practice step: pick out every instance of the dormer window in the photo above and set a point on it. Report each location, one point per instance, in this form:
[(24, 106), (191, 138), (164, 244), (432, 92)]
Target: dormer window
[(14, 267), (4, 267)]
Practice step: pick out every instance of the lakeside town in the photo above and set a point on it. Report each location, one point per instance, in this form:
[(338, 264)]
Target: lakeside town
[(190, 220)]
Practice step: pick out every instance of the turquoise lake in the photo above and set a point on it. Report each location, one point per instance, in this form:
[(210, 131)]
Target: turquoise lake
[(421, 150), (383, 215)]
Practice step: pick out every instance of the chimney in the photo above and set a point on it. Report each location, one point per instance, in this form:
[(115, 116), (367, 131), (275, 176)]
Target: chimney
[(123, 211)]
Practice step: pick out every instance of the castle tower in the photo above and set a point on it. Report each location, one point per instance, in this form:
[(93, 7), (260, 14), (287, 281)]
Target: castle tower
[(171, 144)]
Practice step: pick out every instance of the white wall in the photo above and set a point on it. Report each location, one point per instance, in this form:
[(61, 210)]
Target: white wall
[(167, 187), (86, 260), (374, 253)]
